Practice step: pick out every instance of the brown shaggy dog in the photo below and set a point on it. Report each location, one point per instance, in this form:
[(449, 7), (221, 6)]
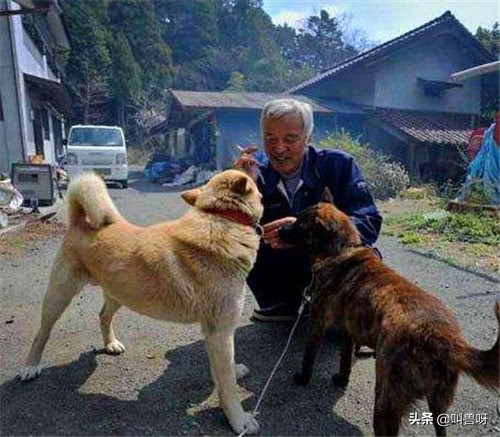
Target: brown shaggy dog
[(420, 351)]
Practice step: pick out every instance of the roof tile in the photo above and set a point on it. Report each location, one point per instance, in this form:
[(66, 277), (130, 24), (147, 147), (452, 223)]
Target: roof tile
[(427, 126), (244, 100), (392, 44)]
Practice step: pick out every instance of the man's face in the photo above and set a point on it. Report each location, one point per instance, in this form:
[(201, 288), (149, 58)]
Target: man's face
[(284, 143)]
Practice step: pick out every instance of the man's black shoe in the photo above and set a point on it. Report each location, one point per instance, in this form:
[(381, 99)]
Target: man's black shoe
[(278, 313)]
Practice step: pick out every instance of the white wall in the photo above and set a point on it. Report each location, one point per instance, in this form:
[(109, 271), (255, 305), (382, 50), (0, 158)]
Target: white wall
[(396, 78), (30, 61), (11, 135)]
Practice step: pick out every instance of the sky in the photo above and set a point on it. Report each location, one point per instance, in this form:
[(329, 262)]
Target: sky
[(382, 20)]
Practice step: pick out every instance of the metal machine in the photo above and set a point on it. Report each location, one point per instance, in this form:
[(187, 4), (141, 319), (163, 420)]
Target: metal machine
[(36, 182)]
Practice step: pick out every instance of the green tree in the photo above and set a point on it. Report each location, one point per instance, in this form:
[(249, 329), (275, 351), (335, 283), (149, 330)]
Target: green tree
[(247, 45), (190, 29), (126, 83), (320, 43), (88, 67), (137, 20), (236, 82), (490, 39)]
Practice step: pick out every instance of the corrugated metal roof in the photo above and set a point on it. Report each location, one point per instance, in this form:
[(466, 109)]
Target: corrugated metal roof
[(429, 127), (391, 45), (245, 100)]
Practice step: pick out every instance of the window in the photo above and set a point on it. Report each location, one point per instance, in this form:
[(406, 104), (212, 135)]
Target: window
[(45, 124), (57, 129), (31, 25), (436, 88), (96, 136)]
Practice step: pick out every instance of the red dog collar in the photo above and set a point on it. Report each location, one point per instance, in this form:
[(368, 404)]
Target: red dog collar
[(237, 217)]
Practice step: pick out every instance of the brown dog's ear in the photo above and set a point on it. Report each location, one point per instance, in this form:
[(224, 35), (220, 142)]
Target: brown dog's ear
[(327, 196), (240, 185), (190, 196)]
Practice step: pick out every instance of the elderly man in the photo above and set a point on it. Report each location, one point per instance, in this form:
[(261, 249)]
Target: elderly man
[(295, 178)]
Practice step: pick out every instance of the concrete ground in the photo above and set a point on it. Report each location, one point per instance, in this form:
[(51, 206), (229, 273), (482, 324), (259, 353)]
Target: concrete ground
[(162, 385)]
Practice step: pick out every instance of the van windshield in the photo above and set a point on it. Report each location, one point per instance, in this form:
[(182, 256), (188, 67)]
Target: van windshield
[(94, 136)]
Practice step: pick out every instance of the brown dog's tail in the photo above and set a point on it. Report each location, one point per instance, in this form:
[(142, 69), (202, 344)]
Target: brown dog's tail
[(483, 366), (89, 202)]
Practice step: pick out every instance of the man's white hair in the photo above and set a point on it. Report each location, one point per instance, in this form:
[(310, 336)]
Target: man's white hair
[(278, 108)]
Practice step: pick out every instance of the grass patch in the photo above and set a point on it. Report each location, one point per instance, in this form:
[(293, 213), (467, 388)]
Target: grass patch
[(17, 243), (460, 239), (409, 237), (467, 227)]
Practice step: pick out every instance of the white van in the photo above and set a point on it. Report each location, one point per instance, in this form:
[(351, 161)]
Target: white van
[(100, 149)]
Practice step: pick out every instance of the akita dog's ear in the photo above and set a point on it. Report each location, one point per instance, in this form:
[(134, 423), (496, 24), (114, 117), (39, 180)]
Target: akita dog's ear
[(327, 196), (240, 185), (190, 196)]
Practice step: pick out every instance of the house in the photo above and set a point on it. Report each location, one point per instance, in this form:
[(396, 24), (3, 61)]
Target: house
[(398, 96), (413, 110), (209, 126), (33, 41)]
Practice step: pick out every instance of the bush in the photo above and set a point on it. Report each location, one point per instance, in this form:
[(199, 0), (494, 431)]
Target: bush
[(384, 177), (449, 189)]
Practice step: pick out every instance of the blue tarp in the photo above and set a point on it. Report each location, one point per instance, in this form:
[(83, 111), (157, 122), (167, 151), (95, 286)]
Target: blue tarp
[(162, 166), (484, 170)]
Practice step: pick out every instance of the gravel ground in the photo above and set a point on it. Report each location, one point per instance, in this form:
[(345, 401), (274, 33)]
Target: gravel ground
[(162, 385)]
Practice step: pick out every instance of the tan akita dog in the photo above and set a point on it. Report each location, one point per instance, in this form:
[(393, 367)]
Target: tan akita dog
[(189, 270)]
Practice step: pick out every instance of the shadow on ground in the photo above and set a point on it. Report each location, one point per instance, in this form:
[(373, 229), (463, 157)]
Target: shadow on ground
[(179, 402)]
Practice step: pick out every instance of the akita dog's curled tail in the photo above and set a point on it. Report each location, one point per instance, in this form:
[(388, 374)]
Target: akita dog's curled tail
[(90, 202)]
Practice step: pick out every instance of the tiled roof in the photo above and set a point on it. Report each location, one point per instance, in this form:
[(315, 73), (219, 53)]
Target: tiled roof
[(244, 100), (394, 44), (427, 126)]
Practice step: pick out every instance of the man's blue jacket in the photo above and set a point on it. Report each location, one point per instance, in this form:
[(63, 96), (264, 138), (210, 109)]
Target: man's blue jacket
[(279, 274), (323, 168)]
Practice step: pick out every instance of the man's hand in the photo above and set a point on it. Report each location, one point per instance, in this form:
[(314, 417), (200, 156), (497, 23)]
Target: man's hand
[(246, 162), (271, 235)]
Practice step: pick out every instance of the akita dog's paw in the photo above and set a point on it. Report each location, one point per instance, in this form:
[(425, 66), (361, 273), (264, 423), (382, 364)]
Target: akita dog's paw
[(241, 371), (115, 348), (29, 372), (247, 423)]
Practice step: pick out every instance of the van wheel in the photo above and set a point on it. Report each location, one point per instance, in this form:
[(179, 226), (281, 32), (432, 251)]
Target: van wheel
[(124, 184)]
